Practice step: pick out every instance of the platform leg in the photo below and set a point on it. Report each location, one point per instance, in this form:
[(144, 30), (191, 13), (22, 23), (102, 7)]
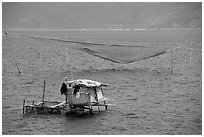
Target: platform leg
[(99, 109), (33, 105), (105, 105), (90, 110), (23, 106)]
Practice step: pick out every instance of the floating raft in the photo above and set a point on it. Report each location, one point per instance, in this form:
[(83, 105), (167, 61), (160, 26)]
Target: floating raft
[(54, 107), (44, 107), (89, 94)]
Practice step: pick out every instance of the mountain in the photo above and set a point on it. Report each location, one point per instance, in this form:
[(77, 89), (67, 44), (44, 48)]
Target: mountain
[(101, 15)]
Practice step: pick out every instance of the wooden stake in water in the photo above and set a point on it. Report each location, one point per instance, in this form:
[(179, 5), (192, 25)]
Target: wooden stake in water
[(68, 64), (190, 58), (156, 64), (171, 61), (23, 106), (43, 97)]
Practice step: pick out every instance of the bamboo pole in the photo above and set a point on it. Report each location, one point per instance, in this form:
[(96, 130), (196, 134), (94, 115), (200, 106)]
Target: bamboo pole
[(68, 64), (190, 58), (23, 106), (90, 109), (33, 105), (104, 100), (171, 61), (43, 96), (156, 64)]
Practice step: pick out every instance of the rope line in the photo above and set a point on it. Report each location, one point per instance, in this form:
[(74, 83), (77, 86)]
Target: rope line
[(9, 42)]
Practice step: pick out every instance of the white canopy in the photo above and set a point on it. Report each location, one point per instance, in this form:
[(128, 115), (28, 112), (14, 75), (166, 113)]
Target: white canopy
[(86, 83)]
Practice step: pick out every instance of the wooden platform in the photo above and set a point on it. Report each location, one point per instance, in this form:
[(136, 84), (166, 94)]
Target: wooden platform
[(54, 107)]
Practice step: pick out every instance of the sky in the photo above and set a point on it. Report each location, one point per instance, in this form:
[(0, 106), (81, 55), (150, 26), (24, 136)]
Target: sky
[(101, 15)]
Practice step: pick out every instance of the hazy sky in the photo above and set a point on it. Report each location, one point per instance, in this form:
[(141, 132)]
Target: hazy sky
[(101, 15)]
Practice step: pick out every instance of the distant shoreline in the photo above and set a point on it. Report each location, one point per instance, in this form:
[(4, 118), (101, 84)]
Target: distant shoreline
[(126, 29)]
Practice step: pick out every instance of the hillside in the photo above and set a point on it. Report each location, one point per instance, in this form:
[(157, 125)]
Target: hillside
[(101, 15)]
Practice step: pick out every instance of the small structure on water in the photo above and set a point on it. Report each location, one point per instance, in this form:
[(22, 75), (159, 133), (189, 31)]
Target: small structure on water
[(80, 95)]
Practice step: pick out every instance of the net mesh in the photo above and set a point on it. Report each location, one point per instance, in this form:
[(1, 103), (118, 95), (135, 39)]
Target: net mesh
[(122, 54), (117, 53)]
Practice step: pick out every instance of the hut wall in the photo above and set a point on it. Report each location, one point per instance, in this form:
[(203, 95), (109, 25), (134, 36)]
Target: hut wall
[(83, 98)]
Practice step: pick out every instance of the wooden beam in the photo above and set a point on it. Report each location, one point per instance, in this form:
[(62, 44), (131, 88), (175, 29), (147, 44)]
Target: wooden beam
[(43, 96)]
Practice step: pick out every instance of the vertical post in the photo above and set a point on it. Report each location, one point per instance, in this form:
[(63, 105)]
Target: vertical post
[(99, 108), (43, 97), (66, 98), (104, 100), (33, 105), (68, 64), (23, 106), (156, 64), (90, 109), (97, 99), (171, 61), (190, 58)]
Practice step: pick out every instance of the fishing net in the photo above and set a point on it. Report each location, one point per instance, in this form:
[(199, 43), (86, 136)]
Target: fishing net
[(122, 54), (117, 53)]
